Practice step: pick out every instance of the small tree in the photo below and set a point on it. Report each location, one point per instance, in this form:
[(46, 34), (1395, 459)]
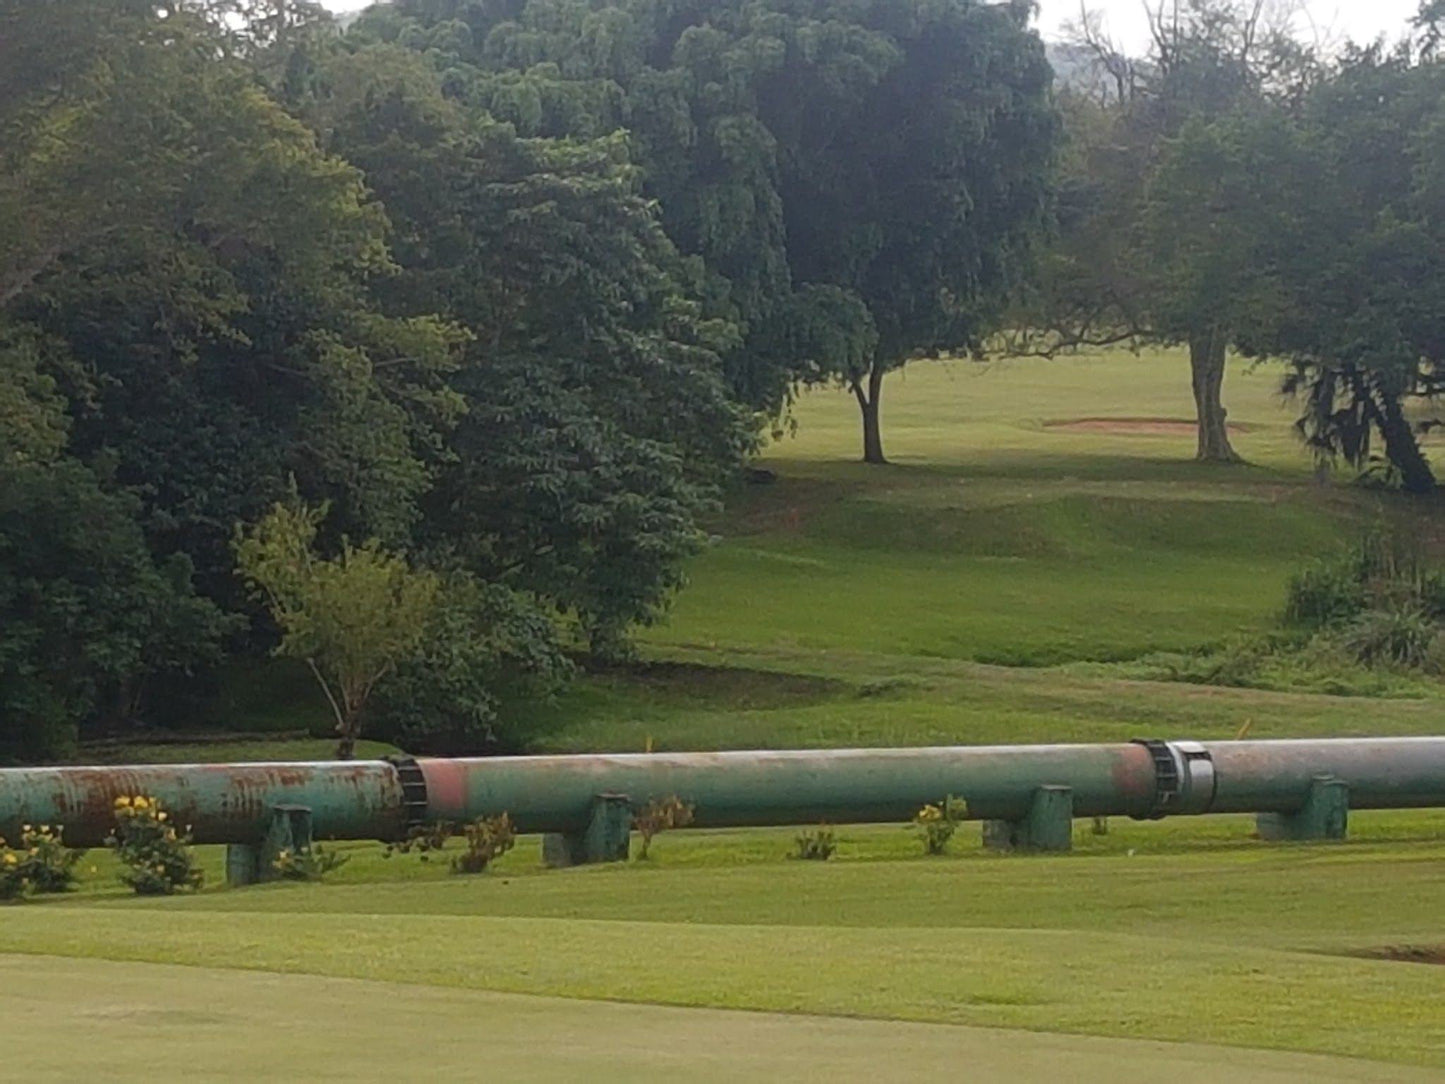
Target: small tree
[(351, 618)]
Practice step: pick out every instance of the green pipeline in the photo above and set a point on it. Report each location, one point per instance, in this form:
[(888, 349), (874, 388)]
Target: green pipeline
[(383, 799)]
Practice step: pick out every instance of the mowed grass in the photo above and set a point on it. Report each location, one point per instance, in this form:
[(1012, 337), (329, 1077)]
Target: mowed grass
[(209, 1019), (994, 537), (1210, 938)]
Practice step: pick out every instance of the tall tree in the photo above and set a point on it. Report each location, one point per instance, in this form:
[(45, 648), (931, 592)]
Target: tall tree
[(1115, 274), (597, 427), (1349, 228)]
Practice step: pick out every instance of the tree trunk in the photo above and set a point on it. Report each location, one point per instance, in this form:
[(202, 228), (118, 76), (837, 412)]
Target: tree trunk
[(1206, 367), (346, 746), (1402, 448), (868, 403)]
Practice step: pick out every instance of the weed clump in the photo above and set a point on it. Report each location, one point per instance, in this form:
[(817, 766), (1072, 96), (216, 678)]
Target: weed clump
[(817, 845), (487, 838), (935, 824), (660, 815), (309, 863)]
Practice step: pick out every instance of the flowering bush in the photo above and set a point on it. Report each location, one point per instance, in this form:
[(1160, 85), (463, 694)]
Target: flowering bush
[(935, 824), (487, 838), (307, 863), (157, 857), (42, 863)]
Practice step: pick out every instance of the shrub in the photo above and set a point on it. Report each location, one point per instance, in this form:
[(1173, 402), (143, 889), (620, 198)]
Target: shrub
[(42, 863), (935, 824), (311, 863), (1326, 594), (660, 815), (157, 857), (815, 846), (487, 838), (1402, 635), (488, 658), (13, 884)]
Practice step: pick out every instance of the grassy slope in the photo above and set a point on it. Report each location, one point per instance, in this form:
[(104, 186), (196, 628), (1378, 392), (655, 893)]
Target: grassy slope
[(867, 604)]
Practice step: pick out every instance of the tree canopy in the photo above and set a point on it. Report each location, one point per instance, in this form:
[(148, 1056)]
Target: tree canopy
[(249, 261), (860, 183)]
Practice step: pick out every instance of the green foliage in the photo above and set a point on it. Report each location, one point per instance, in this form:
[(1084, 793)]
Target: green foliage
[(42, 863), (1326, 594), (815, 845), (1399, 635), (351, 619), (86, 612), (888, 159), (935, 824), (310, 863), (486, 838), (1345, 261), (660, 815), (597, 424), (488, 656), (156, 855)]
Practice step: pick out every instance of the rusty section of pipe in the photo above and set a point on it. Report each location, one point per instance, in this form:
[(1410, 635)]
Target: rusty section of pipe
[(379, 800), (224, 803)]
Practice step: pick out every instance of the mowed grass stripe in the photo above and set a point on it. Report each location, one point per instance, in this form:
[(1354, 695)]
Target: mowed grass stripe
[(1324, 897), (1065, 980), (157, 1023)]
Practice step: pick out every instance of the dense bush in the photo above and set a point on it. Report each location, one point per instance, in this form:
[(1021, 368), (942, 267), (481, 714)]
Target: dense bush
[(1325, 594), (487, 653), (42, 863), (156, 856), (1402, 635)]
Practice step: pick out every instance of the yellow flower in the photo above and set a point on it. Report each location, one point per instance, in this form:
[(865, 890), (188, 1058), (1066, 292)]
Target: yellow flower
[(140, 803), (11, 860), (122, 802), (160, 816)]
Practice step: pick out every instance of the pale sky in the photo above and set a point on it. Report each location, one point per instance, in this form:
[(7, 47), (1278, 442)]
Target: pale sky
[(1329, 21)]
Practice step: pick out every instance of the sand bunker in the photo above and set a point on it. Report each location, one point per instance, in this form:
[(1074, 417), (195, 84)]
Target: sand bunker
[(1143, 427)]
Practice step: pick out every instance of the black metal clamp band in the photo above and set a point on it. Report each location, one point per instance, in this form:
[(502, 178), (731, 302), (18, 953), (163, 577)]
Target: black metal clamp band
[(414, 802), (1166, 779)]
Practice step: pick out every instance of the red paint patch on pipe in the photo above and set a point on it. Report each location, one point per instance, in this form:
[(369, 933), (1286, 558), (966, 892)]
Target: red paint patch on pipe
[(446, 789)]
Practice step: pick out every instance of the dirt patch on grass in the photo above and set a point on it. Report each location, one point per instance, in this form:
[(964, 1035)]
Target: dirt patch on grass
[(1140, 427), (1408, 954)]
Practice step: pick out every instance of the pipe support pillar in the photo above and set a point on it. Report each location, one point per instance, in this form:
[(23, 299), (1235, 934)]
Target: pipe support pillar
[(1324, 815), (607, 837), (1048, 825), (251, 863)]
